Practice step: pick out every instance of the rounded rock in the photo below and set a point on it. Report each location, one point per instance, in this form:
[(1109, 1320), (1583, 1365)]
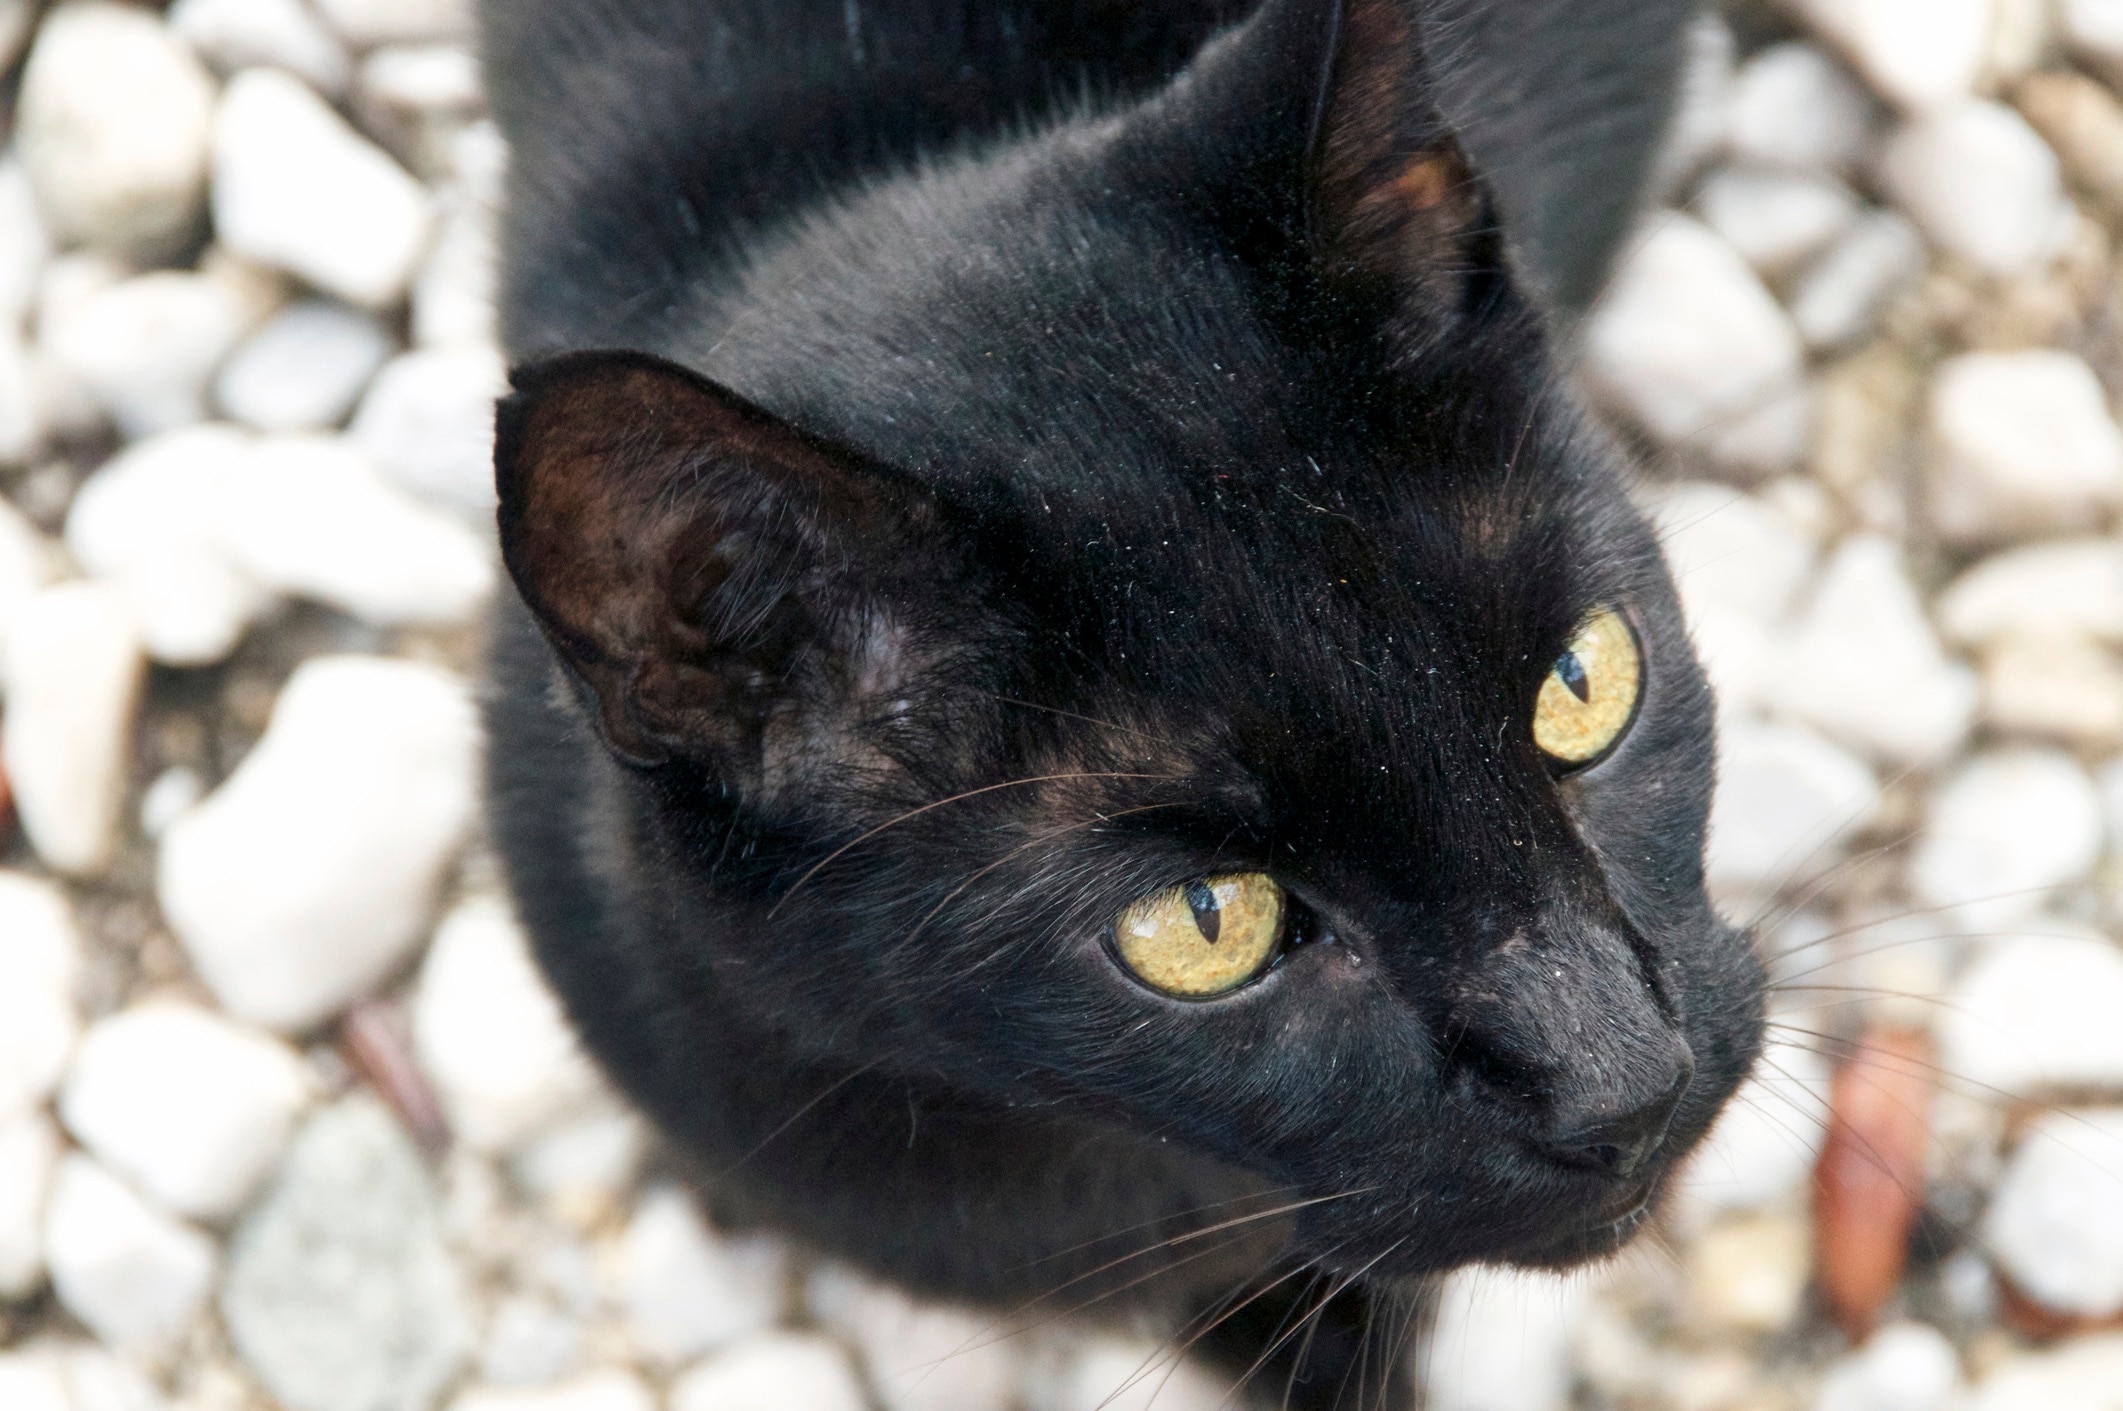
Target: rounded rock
[(2060, 589), (29, 1153), (112, 124), (40, 960), (369, 22), (1918, 53), (605, 1390), (2004, 834), (1981, 183), (288, 923), (296, 188), (688, 1290), (1794, 106), (1762, 1150), (1502, 1341), (2080, 1375), (789, 1371), (1902, 1367), (1785, 803), (429, 422), (193, 1109), (2022, 445), (1840, 297), (239, 34), (2035, 1013), (73, 674), (147, 348), (133, 1275), (305, 368), (1775, 218), (2055, 1225)]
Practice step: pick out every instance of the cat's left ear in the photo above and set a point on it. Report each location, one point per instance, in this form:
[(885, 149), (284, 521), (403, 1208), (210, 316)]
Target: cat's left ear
[(1313, 135)]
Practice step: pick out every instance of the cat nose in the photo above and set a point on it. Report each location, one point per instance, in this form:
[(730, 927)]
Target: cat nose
[(1617, 1144)]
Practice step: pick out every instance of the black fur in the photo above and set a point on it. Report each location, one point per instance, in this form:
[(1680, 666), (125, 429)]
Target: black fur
[(1052, 450)]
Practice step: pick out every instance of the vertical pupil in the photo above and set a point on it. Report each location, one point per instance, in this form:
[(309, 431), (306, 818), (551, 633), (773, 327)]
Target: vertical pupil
[(1572, 673), (1208, 916)]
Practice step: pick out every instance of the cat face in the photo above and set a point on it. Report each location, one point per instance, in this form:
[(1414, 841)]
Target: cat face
[(1169, 659)]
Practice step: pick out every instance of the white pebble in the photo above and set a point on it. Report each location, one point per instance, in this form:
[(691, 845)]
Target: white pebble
[(1838, 300), (1111, 1373), (133, 1275), (1793, 106), (112, 124), (1739, 565), (149, 521), (453, 296), (309, 515), (166, 800), (920, 1356), (99, 1380), (585, 1163), (529, 1343), (367, 22), (147, 348), (1502, 1341), (2036, 1012), (2095, 29), (1918, 53), (423, 78), (29, 1152), (25, 243), (296, 188), (2058, 589), (25, 566), (429, 422), (1786, 801), (312, 871), (686, 1289), (73, 676), (1863, 664), (2055, 1225), (1687, 339), (1902, 1367), (191, 1108), (1698, 122), (1776, 218), (2022, 444), (608, 1389), (787, 1371), (29, 1382), (40, 960), (305, 368), (238, 34), (1981, 183), (2004, 833), (2079, 1375), (491, 1034), (1762, 1151)]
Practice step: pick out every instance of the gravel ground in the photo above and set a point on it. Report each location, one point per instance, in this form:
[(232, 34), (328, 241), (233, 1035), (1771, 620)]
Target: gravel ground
[(288, 1119)]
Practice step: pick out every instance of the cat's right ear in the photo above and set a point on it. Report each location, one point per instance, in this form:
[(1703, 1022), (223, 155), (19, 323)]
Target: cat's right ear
[(695, 561)]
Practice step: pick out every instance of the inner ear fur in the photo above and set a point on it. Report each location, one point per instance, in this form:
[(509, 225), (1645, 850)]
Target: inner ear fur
[(688, 554)]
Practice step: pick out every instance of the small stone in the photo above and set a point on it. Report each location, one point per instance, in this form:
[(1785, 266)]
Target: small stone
[(687, 1290), (1687, 339), (29, 1382), (133, 1275), (191, 1108), (1981, 183), (149, 521), (26, 414), (340, 1294), (29, 1153), (1786, 802), (2068, 588), (1760, 1155), (453, 297), (2081, 1375), (1750, 1272), (1776, 218), (308, 515), (369, 22), (25, 243), (112, 124), (296, 188), (1838, 301), (2095, 29), (100, 1381), (423, 78), (2081, 119), (920, 1356), (239, 34), (2022, 445), (605, 1390), (2062, 688), (40, 960), (2055, 1225), (1917, 53), (169, 798), (429, 422), (1502, 1341), (1902, 1367), (147, 348), (1111, 1373), (26, 562), (1794, 106), (305, 369), (1698, 122), (491, 1035), (1863, 665), (787, 1371), (73, 685), (310, 874), (584, 1166), (529, 1343), (2004, 834), (2036, 1013)]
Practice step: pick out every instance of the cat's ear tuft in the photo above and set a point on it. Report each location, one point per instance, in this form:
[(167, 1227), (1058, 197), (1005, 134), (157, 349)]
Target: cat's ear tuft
[(694, 560)]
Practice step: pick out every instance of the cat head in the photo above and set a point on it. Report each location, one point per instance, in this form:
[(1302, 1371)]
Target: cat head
[(1125, 622)]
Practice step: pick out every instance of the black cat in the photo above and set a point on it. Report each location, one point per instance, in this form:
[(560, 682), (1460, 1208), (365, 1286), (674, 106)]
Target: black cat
[(1093, 725)]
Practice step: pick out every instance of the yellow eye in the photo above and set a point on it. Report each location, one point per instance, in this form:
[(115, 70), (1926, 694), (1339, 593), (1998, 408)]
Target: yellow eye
[(1591, 693), (1205, 938)]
